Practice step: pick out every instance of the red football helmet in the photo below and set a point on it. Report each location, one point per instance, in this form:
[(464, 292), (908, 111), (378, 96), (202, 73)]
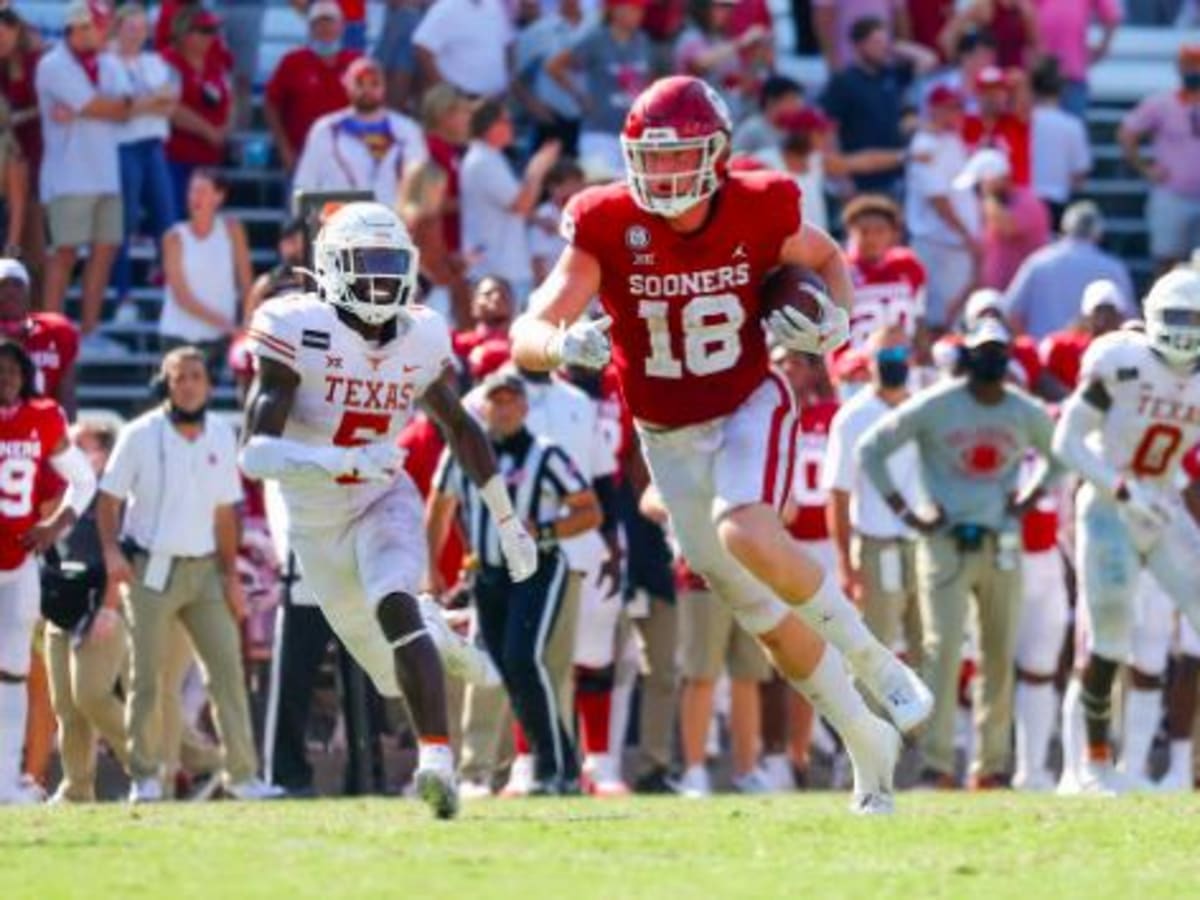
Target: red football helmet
[(676, 142)]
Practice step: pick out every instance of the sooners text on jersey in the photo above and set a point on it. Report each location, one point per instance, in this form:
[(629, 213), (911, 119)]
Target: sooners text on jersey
[(688, 343), (29, 433)]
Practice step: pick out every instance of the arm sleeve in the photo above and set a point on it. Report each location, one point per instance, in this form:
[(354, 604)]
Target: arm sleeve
[(266, 456), (883, 439), (581, 226), (274, 334)]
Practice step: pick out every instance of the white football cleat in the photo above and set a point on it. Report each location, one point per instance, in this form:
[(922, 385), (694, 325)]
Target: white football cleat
[(1176, 781), (462, 658), (695, 783), (473, 790), (254, 789), (1036, 781), (520, 777), (874, 750), (145, 790), (434, 781), (1100, 780), (899, 691)]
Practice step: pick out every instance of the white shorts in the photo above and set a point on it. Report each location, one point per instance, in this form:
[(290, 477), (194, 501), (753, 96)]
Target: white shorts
[(1045, 611), (20, 606), (351, 567), (596, 632), (705, 471)]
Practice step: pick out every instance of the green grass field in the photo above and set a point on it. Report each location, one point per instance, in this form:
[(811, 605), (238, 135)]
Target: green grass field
[(799, 846)]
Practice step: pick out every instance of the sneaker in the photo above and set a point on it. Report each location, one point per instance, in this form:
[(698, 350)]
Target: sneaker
[(1100, 779), (520, 777), (1037, 781), (602, 776), (462, 658), (874, 749), (900, 692), (97, 346), (655, 781), (695, 783), (473, 790), (25, 792), (255, 789), (753, 782), (777, 770), (438, 788), (145, 790)]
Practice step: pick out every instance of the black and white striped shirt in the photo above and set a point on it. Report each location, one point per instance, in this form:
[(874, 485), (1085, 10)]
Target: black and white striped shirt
[(539, 476)]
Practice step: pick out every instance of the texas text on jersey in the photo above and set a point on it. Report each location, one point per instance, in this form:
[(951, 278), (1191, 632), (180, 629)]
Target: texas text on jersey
[(352, 391), (29, 434), (687, 340)]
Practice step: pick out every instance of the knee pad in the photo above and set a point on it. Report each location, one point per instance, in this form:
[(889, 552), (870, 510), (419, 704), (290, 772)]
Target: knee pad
[(400, 618), (594, 681)]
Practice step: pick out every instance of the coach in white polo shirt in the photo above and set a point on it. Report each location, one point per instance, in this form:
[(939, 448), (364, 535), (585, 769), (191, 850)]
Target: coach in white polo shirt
[(83, 93), (175, 471), (876, 551), (466, 43)]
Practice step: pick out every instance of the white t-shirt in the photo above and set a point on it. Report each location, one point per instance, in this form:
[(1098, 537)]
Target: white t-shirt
[(147, 74), (336, 158), (81, 155), (491, 233), (869, 514), (1060, 152), (468, 39), (173, 514), (938, 158)]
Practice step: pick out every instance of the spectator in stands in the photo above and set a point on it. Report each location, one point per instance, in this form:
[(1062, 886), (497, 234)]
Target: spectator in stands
[(1102, 309), (85, 644), (663, 22), (308, 83), (613, 62), (866, 98), (446, 119), (1171, 119), (422, 206), (181, 564), (145, 179), (1012, 23), (364, 147), (759, 131), (563, 182), (975, 52), (395, 51), (243, 29), (474, 59), (1045, 292), (1063, 28), (206, 261), (1015, 221), (203, 120), (706, 50), (82, 94), (971, 437), (554, 111), (943, 220), (1003, 119), (49, 338), (354, 12), (833, 21), (493, 309), (19, 53), (283, 277), (1059, 145), (926, 19), (496, 206)]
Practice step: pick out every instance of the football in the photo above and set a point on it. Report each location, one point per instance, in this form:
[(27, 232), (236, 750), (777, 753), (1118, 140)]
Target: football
[(796, 287)]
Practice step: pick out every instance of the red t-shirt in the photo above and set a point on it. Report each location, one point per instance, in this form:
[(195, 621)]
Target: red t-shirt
[(207, 93), (1008, 133), (449, 157), (53, 343), (812, 445), (21, 92), (424, 444), (1062, 354), (887, 291), (687, 338), (305, 87), (29, 434)]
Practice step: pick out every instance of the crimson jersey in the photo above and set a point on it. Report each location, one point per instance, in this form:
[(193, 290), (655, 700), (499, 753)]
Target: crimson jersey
[(53, 344), (1061, 354), (688, 343), (812, 444), (29, 434), (887, 291)]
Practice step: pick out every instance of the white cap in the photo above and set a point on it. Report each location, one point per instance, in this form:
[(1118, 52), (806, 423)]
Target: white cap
[(986, 163), (981, 301), (1101, 292), (14, 268), (321, 9), (989, 331)]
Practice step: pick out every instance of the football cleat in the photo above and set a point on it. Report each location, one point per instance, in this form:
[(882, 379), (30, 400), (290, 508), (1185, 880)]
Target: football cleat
[(253, 789), (900, 692), (874, 748), (462, 658), (1100, 779), (1177, 780), (1038, 781), (145, 790), (438, 788), (520, 777)]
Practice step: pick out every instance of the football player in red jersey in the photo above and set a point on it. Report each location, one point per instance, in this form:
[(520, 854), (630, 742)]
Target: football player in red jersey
[(33, 432), (677, 254), (1061, 353), (49, 338)]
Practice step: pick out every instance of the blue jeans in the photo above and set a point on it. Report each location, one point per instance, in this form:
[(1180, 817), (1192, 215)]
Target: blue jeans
[(181, 174), (1074, 98), (145, 186)]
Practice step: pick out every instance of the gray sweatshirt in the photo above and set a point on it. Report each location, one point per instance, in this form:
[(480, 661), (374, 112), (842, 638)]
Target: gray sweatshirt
[(970, 453)]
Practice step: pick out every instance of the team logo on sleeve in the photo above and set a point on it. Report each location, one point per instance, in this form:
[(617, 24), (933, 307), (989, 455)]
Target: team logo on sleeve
[(318, 340), (637, 237)]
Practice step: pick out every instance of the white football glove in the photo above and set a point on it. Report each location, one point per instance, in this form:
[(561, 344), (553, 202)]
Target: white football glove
[(379, 461), (519, 548), (583, 344), (795, 331), (1144, 512)]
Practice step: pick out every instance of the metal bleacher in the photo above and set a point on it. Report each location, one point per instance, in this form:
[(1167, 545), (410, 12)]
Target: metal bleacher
[(1141, 62)]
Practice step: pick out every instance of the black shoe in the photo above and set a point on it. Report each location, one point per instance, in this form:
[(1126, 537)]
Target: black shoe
[(655, 781), (800, 777)]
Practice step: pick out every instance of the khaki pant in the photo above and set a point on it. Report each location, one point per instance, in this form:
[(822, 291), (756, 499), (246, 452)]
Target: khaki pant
[(81, 688), (947, 578), (712, 642), (193, 595), (660, 683), (890, 610)]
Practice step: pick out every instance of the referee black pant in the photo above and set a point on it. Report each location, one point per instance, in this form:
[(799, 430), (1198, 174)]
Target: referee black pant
[(516, 621)]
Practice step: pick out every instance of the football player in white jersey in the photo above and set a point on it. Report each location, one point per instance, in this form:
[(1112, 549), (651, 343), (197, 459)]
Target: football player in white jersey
[(1125, 430), (340, 372)]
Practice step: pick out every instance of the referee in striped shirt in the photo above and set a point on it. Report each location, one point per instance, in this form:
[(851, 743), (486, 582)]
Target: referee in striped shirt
[(517, 620)]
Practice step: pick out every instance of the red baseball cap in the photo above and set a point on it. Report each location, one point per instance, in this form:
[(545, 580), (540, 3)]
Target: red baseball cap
[(990, 77), (205, 19), (744, 162), (944, 95)]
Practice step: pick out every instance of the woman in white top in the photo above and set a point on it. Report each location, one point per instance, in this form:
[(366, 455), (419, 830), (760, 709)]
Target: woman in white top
[(145, 178), (206, 261)]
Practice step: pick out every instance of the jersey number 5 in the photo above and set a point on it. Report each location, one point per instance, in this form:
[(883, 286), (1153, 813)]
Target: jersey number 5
[(1156, 449), (17, 479), (710, 335), (356, 429)]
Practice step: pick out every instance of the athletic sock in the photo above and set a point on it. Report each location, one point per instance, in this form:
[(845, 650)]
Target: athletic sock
[(1033, 706), (435, 753), (14, 704), (1143, 713), (520, 742), (832, 693), (595, 709), (1181, 758), (835, 618)]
